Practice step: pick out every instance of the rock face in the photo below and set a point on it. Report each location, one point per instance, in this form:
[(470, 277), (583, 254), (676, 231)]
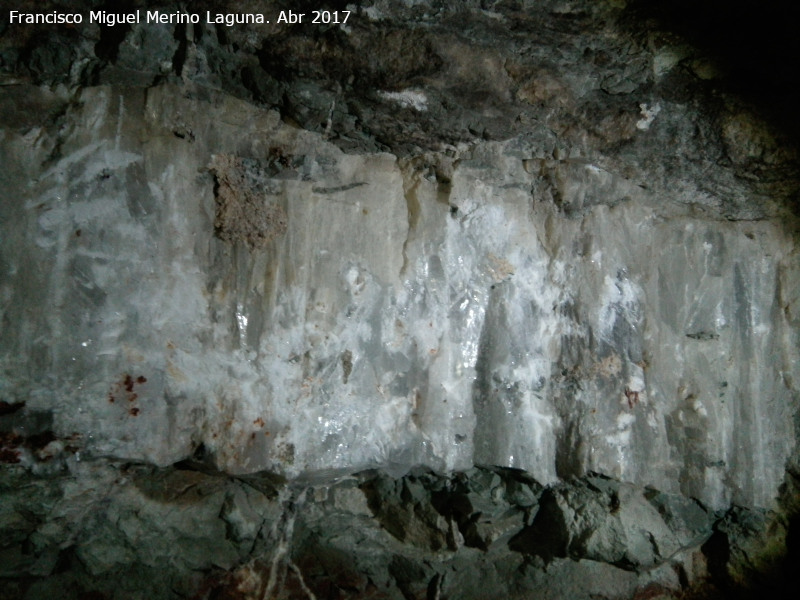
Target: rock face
[(514, 309), (521, 274), (136, 531)]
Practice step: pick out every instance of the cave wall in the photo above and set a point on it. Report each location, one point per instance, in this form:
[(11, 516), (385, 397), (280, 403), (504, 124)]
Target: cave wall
[(516, 310)]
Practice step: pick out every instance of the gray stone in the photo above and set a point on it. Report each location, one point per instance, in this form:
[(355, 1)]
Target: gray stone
[(587, 385), (601, 520)]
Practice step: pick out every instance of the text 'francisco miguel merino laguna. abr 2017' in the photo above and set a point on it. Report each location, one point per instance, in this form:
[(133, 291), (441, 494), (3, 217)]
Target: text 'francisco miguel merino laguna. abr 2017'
[(154, 16)]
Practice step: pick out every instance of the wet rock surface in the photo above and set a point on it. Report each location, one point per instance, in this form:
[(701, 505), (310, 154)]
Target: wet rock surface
[(455, 300)]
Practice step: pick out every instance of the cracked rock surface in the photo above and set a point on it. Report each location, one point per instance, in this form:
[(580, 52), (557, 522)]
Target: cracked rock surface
[(454, 297), (119, 530)]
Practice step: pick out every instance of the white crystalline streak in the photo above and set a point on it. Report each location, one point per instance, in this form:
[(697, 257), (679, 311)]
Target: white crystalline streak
[(409, 98), (648, 116), (619, 299)]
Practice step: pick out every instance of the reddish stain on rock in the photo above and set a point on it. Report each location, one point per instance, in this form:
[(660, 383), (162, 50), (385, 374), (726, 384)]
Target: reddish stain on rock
[(124, 388)]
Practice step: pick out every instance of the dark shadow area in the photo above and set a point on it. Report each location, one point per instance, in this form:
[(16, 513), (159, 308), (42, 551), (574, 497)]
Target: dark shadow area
[(754, 43)]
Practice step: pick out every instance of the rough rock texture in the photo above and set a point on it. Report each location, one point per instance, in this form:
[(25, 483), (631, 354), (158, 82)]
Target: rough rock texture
[(456, 297), (529, 312), (112, 530), (243, 214)]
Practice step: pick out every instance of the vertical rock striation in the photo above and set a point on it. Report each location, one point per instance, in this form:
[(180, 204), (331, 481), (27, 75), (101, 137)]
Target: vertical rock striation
[(534, 313)]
